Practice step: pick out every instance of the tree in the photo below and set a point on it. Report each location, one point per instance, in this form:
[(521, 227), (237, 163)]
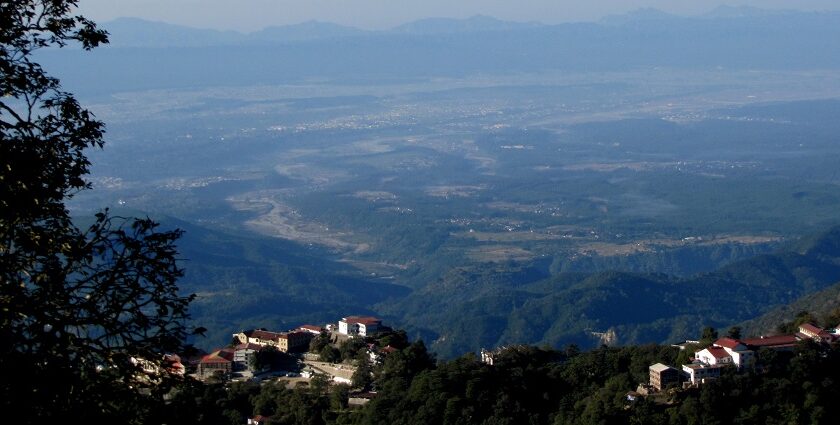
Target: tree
[(801, 318), (318, 343), (363, 375), (339, 395), (351, 348), (329, 354), (734, 332), (708, 336), (832, 319), (85, 315), (319, 383)]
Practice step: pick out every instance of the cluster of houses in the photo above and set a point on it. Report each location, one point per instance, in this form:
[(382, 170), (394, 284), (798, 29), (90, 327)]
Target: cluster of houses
[(239, 356), (730, 352)]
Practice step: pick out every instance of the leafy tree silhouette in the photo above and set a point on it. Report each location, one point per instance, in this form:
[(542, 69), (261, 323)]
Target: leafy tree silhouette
[(86, 316)]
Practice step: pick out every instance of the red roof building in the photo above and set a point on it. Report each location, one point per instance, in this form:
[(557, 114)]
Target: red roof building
[(359, 325), (778, 342), (730, 343), (263, 335), (814, 332), (718, 353), (217, 362), (713, 356), (311, 329), (364, 320)]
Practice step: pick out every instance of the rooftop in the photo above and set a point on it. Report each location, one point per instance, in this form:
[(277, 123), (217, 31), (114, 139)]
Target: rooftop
[(363, 320), (807, 327), (313, 328), (286, 335), (718, 353), (218, 356), (727, 342), (771, 341), (263, 334), (659, 367), (249, 346)]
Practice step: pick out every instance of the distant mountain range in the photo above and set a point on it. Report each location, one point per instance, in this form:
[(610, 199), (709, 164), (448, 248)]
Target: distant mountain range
[(478, 23), (146, 55), (135, 32)]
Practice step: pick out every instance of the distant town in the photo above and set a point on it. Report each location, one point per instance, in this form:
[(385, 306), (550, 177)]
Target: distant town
[(298, 355), (345, 351)]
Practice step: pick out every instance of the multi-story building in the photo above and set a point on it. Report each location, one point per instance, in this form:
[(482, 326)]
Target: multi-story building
[(283, 341), (777, 342), (294, 341), (814, 332), (662, 376), (698, 373), (359, 325), (243, 354), (217, 362)]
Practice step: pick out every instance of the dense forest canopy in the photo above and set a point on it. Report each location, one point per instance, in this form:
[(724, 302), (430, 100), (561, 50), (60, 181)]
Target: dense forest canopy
[(538, 385)]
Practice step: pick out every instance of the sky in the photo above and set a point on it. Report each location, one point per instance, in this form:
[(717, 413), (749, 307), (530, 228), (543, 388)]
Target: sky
[(252, 15)]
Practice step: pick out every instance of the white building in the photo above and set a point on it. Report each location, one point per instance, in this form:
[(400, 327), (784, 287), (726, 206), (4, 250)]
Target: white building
[(358, 325), (739, 353), (713, 356), (698, 373)]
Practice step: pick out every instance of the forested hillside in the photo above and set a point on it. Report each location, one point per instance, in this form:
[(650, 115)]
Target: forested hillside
[(821, 307), (466, 310), (528, 385), (244, 282)]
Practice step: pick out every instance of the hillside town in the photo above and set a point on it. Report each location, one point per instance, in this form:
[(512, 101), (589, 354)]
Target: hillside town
[(727, 353), (345, 354), (240, 360), (331, 353)]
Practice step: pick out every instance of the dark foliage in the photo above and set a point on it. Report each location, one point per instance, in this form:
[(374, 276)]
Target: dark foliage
[(529, 385), (86, 316)]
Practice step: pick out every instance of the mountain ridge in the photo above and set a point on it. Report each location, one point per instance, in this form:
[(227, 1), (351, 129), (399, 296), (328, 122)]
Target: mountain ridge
[(139, 32), (173, 58)]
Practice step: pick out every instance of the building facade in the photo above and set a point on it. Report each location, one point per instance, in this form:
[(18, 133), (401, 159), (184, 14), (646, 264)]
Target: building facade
[(359, 325), (216, 363), (294, 341), (698, 373), (662, 376)]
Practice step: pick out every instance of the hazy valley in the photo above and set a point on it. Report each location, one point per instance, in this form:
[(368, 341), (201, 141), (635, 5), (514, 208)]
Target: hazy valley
[(511, 201)]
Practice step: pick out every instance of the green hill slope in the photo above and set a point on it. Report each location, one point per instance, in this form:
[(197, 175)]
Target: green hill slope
[(246, 281), (820, 304), (462, 312)]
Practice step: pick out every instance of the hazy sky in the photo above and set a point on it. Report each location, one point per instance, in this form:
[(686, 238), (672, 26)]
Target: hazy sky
[(250, 15)]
